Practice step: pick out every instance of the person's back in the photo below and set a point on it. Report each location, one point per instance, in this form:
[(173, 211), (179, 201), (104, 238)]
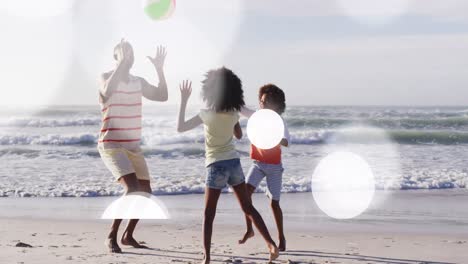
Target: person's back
[(218, 135), (222, 92)]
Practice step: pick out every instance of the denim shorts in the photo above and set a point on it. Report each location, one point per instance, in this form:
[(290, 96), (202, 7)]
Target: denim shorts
[(224, 172)]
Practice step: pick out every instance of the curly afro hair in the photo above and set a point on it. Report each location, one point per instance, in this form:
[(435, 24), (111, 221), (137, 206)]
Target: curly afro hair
[(222, 90), (275, 97)]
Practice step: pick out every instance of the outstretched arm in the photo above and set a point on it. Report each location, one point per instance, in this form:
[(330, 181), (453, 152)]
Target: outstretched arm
[(238, 131), (110, 80), (247, 112), (152, 92), (182, 125)]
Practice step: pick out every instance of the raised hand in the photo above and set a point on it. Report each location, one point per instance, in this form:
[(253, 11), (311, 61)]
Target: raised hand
[(185, 90), (122, 52), (158, 60)]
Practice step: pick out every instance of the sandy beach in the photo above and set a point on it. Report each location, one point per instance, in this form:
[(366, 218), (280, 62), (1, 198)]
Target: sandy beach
[(81, 242), (367, 119), (384, 234)]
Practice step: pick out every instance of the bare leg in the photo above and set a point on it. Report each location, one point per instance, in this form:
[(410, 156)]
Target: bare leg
[(278, 213), (255, 217), (111, 241), (127, 237), (211, 202), (130, 184), (250, 232)]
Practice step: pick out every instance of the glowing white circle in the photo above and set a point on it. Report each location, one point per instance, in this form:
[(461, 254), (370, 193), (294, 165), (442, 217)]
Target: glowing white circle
[(136, 205), (265, 129), (343, 185), (36, 54), (190, 36)]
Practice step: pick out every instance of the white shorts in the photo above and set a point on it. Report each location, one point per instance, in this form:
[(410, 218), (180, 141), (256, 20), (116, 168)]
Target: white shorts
[(121, 162), (273, 174)]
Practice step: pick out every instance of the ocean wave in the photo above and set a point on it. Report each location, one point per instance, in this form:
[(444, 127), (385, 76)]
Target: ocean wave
[(419, 179), (171, 153), (304, 137), (89, 139), (50, 139), (49, 122), (28, 153), (299, 121), (432, 137), (368, 137), (394, 123), (377, 136)]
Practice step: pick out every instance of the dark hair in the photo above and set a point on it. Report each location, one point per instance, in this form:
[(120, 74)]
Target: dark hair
[(222, 90), (275, 97)]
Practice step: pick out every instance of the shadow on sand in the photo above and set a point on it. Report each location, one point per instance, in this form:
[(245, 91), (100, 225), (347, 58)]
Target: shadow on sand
[(302, 256)]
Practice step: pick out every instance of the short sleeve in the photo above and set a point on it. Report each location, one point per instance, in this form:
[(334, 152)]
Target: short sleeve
[(247, 112)]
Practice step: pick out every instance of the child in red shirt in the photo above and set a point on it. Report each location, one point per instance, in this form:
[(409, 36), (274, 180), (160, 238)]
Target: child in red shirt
[(267, 163)]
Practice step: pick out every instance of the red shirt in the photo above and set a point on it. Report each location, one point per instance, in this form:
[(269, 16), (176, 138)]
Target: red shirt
[(269, 156)]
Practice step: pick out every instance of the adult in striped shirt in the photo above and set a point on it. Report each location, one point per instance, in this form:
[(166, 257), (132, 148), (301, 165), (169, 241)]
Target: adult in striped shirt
[(120, 96)]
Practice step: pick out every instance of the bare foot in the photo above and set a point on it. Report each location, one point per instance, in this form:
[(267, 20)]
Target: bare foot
[(248, 234), (130, 241), (111, 244), (282, 245), (274, 253), (206, 260)]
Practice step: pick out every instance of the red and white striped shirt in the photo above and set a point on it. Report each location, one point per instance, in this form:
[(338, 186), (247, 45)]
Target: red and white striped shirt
[(121, 116)]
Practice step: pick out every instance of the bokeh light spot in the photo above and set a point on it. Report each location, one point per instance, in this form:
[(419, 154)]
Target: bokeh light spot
[(343, 185), (265, 129), (137, 205)]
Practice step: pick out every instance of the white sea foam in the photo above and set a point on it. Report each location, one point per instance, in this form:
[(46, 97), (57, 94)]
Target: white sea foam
[(59, 175), (54, 154), (153, 137), (49, 139)]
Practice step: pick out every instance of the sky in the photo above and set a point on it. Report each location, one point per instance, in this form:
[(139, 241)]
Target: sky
[(320, 52)]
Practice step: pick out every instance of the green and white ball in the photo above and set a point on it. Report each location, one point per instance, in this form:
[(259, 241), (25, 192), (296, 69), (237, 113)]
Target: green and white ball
[(159, 9)]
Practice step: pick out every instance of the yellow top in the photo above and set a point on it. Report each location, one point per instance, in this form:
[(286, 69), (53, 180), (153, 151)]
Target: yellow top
[(219, 129)]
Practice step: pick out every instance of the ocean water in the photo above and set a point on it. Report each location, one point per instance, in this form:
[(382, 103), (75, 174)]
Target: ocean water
[(51, 152)]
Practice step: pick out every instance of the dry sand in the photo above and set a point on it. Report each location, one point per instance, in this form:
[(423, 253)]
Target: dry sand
[(64, 241)]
